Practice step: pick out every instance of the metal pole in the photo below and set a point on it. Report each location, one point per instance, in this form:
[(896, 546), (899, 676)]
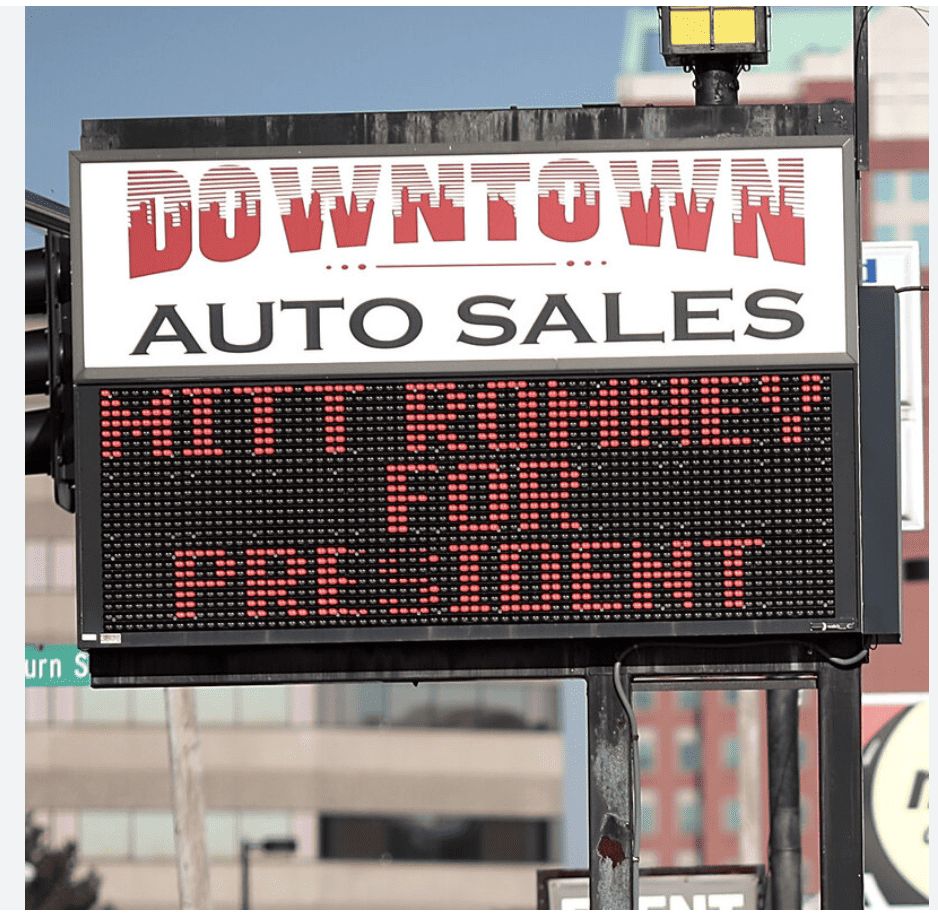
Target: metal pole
[(840, 783), (861, 85), (610, 795), (784, 798), (188, 804), (245, 890), (715, 81)]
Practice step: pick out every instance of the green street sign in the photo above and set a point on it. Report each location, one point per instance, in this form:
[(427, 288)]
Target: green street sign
[(56, 664)]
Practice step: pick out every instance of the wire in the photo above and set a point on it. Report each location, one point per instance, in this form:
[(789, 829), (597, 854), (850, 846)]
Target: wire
[(918, 12), (636, 781), (909, 289)]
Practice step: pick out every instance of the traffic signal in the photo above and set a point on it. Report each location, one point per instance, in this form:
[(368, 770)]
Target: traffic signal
[(49, 433)]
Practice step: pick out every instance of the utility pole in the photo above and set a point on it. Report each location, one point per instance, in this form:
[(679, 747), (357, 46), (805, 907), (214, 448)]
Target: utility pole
[(750, 779), (188, 802)]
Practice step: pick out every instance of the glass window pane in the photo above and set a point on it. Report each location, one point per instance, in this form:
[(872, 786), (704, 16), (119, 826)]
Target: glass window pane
[(149, 705), (688, 701), (884, 233), (407, 704), (647, 750), (690, 817), (507, 706), (215, 704), (63, 564), (220, 839), (366, 705), (264, 704), (102, 706), (104, 833), (643, 701), (920, 235), (37, 576), (152, 834), (731, 752), (256, 826), (687, 741), (884, 187), (918, 185), (730, 815)]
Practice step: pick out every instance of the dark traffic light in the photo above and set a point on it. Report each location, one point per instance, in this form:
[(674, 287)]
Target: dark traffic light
[(49, 435)]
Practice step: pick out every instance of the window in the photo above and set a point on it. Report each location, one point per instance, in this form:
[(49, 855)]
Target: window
[(647, 749), (687, 744), (689, 701), (689, 812), (729, 815), (920, 235), (152, 835), (884, 187), (104, 833), (454, 705), (643, 701), (650, 808), (884, 232), (433, 838), (918, 185), (729, 752)]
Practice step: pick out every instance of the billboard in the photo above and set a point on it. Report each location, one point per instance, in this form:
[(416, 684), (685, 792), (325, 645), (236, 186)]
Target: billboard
[(567, 390)]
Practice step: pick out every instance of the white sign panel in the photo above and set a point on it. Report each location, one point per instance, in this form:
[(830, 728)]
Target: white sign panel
[(391, 262), (896, 264)]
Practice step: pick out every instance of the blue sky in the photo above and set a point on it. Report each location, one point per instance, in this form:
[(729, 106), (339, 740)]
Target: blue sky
[(119, 62)]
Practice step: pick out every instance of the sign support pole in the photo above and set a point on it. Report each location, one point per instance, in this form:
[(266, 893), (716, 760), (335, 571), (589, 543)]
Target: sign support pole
[(840, 785), (611, 819)]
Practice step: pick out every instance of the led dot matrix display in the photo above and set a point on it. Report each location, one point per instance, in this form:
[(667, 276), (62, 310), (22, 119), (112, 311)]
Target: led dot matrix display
[(306, 507)]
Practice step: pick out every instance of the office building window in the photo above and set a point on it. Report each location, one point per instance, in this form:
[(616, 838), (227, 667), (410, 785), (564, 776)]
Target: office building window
[(688, 701), (884, 187), (647, 749), (651, 808), (687, 745), (643, 701), (729, 752), (433, 838), (729, 815), (920, 235), (689, 811), (918, 185), (104, 834), (884, 232), (454, 705), (151, 835)]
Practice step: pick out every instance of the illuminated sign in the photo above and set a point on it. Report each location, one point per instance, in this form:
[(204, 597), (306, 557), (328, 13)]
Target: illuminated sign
[(307, 509), (376, 260), (376, 393)]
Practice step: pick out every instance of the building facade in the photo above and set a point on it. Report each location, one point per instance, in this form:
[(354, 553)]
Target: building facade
[(690, 780)]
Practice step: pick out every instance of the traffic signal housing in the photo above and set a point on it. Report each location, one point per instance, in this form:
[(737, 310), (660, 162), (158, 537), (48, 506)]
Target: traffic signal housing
[(49, 431)]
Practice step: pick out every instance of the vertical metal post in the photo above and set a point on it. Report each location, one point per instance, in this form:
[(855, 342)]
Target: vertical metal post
[(245, 864), (861, 85), (610, 795), (840, 783), (784, 798)]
